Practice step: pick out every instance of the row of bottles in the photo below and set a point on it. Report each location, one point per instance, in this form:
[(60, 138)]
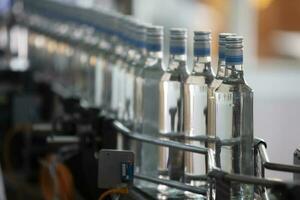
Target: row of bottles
[(117, 66)]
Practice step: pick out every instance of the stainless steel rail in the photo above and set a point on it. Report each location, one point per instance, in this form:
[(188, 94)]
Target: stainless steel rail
[(214, 172), (152, 140), (221, 175), (275, 166), (62, 139), (174, 184)]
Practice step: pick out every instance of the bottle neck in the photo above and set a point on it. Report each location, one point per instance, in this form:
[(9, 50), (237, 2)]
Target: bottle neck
[(143, 52), (176, 60), (155, 54), (202, 64), (235, 73), (221, 71), (234, 65), (132, 50)]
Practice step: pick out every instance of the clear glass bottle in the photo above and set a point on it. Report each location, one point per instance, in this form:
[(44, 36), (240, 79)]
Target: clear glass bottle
[(138, 64), (132, 53), (171, 161), (115, 61), (122, 64), (152, 74), (103, 71), (196, 89), (125, 80), (76, 61), (106, 60), (221, 74), (93, 52), (234, 119)]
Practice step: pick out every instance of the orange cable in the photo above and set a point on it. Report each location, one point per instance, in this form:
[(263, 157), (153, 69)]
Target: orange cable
[(63, 176), (113, 191)]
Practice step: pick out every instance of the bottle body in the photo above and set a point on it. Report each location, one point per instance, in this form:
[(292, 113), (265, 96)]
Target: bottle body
[(151, 74), (120, 98), (171, 164), (195, 121), (115, 65), (121, 93), (100, 85), (129, 93), (234, 121), (106, 92), (138, 107)]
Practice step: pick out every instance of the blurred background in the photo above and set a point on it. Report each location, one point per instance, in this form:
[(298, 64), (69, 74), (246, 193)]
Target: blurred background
[(271, 30)]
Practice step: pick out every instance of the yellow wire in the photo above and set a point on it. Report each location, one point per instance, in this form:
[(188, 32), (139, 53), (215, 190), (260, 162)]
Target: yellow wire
[(113, 191)]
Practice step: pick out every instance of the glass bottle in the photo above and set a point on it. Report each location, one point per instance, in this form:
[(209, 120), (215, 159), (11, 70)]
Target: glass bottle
[(195, 104), (132, 54), (122, 64), (138, 64), (115, 62), (221, 74), (234, 119), (103, 71), (152, 73), (171, 164)]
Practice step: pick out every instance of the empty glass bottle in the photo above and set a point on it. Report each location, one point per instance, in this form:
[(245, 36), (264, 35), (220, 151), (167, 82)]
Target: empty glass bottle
[(234, 119)]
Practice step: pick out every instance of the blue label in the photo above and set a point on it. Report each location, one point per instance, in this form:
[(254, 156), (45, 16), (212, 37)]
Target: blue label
[(221, 55), (201, 51), (153, 47), (234, 59), (130, 41), (177, 50), (139, 44)]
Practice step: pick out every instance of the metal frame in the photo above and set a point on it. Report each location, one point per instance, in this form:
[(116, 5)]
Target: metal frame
[(214, 172)]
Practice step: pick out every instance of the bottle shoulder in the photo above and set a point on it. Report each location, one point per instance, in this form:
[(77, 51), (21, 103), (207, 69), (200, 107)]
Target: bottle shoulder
[(227, 87), (154, 72), (196, 80)]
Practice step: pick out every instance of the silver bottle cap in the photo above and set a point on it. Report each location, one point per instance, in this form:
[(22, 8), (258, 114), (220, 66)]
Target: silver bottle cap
[(234, 50), (140, 34), (154, 38), (222, 44), (178, 38), (131, 30), (202, 42), (127, 26)]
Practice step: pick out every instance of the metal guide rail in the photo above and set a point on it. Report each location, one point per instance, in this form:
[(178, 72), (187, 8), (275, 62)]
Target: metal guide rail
[(216, 177)]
